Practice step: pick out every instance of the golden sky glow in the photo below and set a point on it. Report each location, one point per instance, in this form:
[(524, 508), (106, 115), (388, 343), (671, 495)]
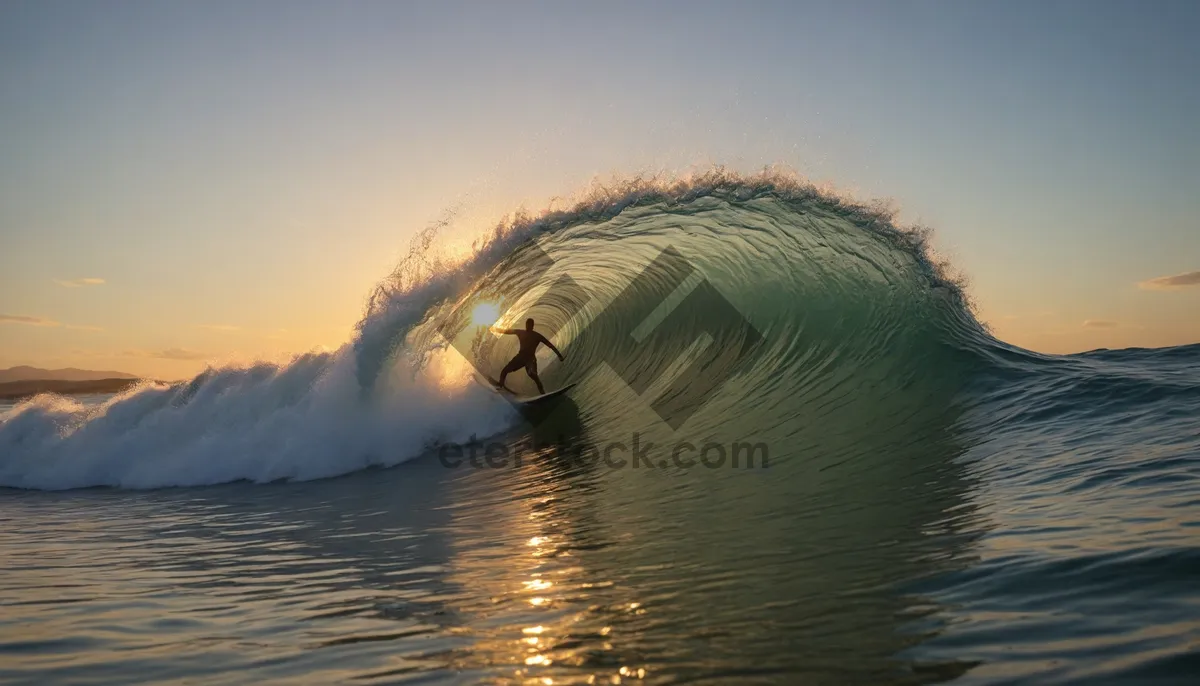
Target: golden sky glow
[(181, 190)]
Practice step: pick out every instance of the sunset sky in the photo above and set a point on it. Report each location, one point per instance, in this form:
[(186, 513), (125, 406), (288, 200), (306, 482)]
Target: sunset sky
[(193, 183)]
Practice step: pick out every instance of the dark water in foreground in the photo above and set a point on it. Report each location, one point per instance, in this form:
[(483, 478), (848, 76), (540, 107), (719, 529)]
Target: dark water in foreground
[(988, 564)]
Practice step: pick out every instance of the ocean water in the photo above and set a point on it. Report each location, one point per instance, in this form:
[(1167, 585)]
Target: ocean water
[(793, 456)]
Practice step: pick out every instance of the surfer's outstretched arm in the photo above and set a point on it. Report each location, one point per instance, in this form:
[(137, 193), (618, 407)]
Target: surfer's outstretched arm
[(551, 346), (504, 331)]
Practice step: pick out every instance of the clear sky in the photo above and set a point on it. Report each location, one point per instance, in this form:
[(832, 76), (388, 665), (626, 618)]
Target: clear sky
[(212, 181)]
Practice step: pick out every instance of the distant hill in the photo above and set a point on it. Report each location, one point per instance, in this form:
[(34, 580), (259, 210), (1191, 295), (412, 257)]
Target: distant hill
[(16, 390), (69, 374)]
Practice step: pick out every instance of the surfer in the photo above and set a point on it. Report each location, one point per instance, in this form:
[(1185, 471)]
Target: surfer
[(525, 357)]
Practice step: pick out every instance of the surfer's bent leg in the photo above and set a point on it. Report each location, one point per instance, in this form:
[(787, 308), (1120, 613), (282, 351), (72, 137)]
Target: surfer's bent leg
[(531, 370), (513, 365)]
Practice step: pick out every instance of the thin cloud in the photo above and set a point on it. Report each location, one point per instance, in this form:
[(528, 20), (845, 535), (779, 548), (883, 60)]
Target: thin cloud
[(76, 283), (1169, 283), (1100, 324), (28, 321), (41, 321), (169, 354)]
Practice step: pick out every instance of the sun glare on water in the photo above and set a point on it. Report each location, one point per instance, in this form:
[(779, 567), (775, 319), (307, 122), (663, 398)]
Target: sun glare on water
[(485, 314)]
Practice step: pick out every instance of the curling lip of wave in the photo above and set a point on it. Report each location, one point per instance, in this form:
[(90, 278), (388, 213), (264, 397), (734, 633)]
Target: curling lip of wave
[(424, 278)]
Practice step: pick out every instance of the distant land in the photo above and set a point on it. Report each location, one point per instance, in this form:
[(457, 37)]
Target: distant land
[(69, 374), (23, 382), (16, 390)]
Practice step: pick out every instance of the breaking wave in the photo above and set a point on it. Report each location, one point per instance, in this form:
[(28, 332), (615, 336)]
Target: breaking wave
[(830, 303)]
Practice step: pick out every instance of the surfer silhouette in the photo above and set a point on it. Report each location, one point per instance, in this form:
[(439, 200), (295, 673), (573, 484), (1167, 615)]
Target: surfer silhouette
[(525, 357)]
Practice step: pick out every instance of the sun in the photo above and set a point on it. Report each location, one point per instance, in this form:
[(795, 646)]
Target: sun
[(485, 314)]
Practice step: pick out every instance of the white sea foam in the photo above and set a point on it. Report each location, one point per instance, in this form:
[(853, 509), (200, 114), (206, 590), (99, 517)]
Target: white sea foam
[(299, 421)]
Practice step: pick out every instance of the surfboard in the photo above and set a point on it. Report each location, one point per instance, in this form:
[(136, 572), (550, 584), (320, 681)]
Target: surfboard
[(530, 400), (527, 399)]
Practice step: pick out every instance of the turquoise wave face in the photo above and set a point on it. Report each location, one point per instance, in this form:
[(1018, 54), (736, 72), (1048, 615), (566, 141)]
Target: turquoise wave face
[(721, 310)]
